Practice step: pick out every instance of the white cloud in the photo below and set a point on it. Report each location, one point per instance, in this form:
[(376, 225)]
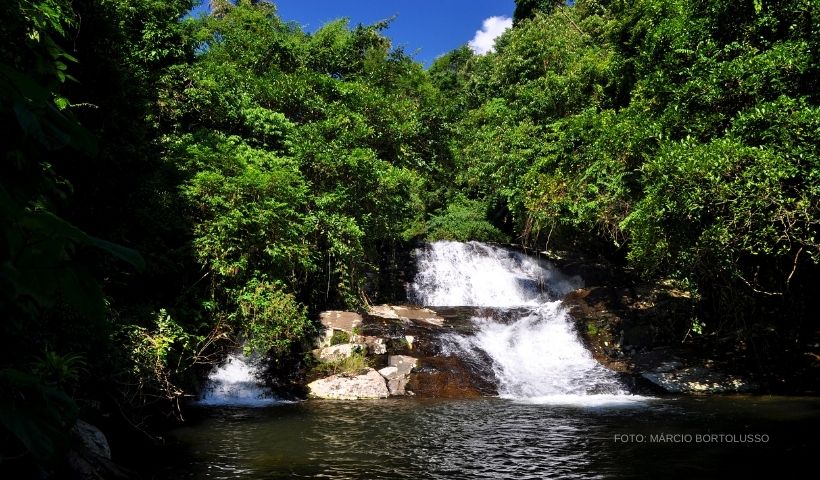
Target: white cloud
[(484, 39)]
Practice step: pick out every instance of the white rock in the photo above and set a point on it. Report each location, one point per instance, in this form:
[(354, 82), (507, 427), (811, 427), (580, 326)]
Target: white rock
[(397, 373), (341, 387), (404, 363)]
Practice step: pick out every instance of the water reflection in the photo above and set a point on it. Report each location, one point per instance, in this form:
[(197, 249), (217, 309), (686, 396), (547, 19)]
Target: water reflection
[(494, 438)]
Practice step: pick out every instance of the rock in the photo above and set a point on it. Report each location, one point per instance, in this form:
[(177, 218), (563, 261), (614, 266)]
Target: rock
[(396, 384), (407, 314), (342, 387), (335, 321), (449, 377), (339, 320), (697, 380), (397, 373), (668, 366), (424, 315), (324, 339), (90, 458), (375, 345), (92, 439), (338, 352), (404, 363), (384, 311)]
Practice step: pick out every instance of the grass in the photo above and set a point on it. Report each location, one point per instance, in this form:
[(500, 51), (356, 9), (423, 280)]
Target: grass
[(339, 337), (355, 364)]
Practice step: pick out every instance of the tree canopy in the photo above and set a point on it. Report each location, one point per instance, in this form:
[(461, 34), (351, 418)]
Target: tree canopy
[(173, 187)]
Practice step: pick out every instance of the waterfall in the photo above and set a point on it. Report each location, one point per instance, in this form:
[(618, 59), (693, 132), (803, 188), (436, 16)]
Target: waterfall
[(538, 355), (235, 382), (475, 274)]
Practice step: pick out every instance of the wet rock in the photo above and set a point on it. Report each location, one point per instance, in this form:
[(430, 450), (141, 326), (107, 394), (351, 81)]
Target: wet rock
[(368, 385), (449, 377), (406, 342), (406, 330), (697, 380)]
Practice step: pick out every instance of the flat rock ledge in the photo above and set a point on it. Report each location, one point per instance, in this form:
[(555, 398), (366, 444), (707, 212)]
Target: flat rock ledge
[(369, 385), (407, 314)]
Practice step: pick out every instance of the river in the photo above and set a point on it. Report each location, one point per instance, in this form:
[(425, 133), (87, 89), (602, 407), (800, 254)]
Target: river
[(559, 414), (499, 438)]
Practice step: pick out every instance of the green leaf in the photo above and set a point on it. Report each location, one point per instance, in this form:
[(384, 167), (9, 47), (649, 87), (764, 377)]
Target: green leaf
[(123, 253), (38, 415)]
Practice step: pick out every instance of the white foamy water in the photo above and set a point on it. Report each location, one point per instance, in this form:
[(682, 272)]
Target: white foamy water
[(476, 274), (235, 382), (538, 357)]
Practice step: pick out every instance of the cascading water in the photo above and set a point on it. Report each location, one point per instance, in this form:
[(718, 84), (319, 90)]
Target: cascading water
[(538, 356), (235, 382)]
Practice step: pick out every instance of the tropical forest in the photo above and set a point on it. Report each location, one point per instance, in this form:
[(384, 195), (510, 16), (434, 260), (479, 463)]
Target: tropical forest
[(232, 246)]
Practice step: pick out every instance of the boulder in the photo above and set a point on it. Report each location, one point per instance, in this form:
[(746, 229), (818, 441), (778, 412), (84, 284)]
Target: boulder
[(397, 373), (90, 457), (346, 387), (92, 439), (403, 363)]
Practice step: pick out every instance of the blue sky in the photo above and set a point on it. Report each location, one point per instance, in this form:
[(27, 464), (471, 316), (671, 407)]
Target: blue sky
[(425, 28)]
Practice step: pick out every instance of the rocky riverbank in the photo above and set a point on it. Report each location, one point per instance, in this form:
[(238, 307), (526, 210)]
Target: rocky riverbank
[(646, 331), (402, 349)]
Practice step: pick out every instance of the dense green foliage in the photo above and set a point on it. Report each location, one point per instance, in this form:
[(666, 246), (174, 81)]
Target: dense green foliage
[(263, 173), (679, 136), (260, 171)]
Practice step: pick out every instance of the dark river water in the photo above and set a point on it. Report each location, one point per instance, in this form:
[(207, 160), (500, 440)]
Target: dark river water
[(708, 437)]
